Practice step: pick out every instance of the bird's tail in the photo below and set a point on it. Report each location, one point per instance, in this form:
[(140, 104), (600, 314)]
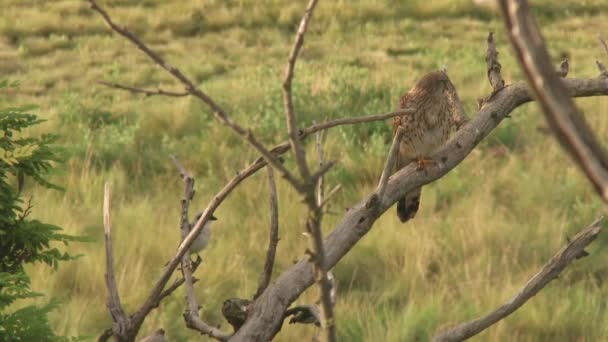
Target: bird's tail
[(408, 205)]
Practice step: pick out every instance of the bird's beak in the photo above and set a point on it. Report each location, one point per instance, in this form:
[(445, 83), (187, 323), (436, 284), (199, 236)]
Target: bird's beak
[(213, 218)]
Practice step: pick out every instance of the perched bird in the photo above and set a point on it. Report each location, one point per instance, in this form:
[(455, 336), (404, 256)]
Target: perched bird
[(203, 237), (437, 113)]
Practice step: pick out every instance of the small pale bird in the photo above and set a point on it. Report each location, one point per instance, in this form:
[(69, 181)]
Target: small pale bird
[(438, 113), (203, 237)]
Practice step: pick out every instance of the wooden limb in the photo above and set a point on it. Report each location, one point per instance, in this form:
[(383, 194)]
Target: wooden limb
[(144, 91), (570, 127), (389, 166), (573, 250), (273, 241), (218, 111), (265, 316), (294, 139), (121, 325)]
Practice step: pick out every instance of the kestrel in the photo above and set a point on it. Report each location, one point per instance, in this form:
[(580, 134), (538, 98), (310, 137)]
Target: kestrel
[(438, 113)]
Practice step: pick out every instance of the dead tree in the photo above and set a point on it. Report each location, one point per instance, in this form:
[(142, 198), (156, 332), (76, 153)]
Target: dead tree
[(261, 318)]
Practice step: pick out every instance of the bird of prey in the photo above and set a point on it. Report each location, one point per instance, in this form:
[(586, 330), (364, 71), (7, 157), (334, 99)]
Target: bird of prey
[(438, 112)]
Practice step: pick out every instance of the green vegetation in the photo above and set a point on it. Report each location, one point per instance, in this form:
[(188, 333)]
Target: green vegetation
[(481, 231), (24, 240)]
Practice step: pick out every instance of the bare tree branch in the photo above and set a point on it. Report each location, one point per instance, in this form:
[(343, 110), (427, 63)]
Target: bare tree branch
[(353, 121), (389, 166), (599, 36), (265, 316), (294, 139), (144, 91), (569, 125), (191, 316), (493, 65), (121, 325), (218, 112), (320, 182), (573, 250), (273, 240)]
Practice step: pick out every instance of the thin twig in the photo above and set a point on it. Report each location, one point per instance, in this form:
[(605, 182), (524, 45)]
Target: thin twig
[(218, 112), (599, 36), (320, 182), (390, 163), (113, 299), (353, 121), (146, 92), (290, 117), (573, 250), (273, 240), (570, 127)]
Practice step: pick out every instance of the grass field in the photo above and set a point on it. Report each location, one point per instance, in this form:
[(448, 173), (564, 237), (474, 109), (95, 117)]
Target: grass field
[(481, 232)]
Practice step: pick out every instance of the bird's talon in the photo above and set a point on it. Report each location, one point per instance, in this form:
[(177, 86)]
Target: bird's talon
[(424, 164)]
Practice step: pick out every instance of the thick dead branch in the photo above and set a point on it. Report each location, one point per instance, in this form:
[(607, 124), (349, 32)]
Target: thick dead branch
[(121, 326), (193, 321), (290, 117), (265, 317), (273, 240), (389, 166), (219, 113), (570, 127), (573, 250), (146, 92)]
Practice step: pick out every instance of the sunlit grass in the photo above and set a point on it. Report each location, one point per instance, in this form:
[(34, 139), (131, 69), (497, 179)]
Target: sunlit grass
[(481, 232)]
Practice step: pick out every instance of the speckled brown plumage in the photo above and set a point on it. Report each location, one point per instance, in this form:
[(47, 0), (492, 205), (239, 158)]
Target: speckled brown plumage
[(426, 129)]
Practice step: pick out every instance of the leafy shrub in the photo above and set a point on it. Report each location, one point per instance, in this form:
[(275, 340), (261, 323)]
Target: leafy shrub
[(23, 240)]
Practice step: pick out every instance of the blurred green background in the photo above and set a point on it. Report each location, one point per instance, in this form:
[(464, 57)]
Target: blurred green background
[(481, 232)]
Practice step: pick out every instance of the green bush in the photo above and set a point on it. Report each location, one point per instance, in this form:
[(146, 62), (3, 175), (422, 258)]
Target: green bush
[(23, 240)]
